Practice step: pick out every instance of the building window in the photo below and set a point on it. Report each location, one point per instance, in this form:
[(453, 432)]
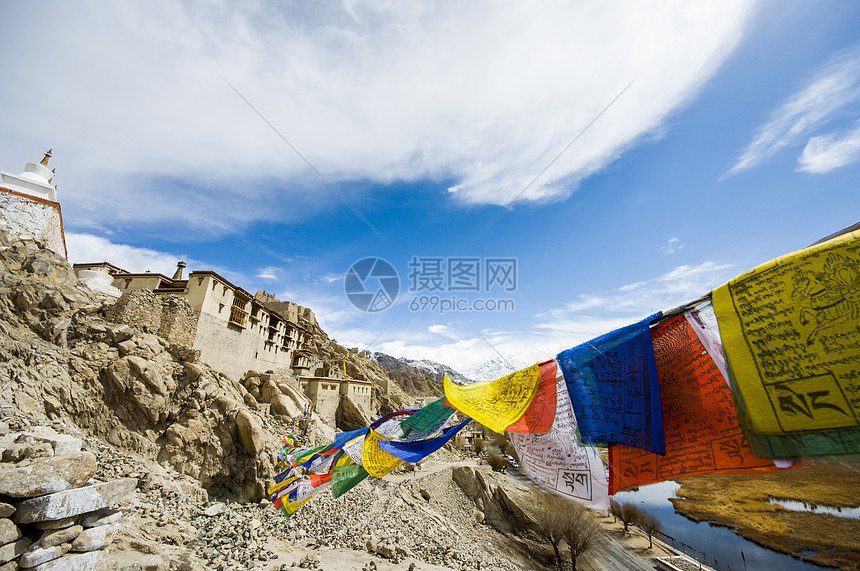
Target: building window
[(220, 307), (214, 283), (238, 314), (199, 282), (127, 283), (224, 290)]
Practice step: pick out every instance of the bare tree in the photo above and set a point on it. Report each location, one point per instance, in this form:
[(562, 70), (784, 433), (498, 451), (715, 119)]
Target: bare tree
[(629, 513), (559, 519), (651, 524), (581, 532)]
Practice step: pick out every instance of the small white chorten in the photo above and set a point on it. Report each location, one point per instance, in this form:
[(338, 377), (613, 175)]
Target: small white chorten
[(34, 181)]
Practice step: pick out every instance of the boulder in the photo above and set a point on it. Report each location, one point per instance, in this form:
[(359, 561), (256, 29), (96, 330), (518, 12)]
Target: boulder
[(269, 391), (75, 562), (38, 555), (11, 551), (284, 406), (57, 524), (46, 476), (74, 502), (104, 516), (250, 434), (350, 416), (6, 509)]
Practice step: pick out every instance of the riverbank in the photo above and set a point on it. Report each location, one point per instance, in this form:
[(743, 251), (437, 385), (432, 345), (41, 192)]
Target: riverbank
[(741, 502)]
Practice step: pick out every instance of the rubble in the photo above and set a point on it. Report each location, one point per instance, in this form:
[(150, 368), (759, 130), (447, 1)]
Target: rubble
[(47, 494)]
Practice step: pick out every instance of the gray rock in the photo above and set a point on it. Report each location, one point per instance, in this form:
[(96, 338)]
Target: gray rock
[(73, 562), (74, 502), (10, 566), (95, 538), (385, 550), (10, 551), (8, 531), (38, 555), (47, 476), (62, 444), (57, 524), (54, 537), (6, 509), (215, 509), (104, 516)]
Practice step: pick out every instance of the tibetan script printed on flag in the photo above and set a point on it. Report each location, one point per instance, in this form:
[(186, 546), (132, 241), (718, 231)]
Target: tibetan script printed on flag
[(557, 462), (699, 417), (791, 331), (612, 381), (495, 404)]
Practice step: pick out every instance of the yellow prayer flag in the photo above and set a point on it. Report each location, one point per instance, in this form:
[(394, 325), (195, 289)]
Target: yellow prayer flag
[(495, 404), (377, 461), (791, 331)]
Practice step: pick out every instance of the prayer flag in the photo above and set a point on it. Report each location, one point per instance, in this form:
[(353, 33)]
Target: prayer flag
[(416, 450), (558, 463), (495, 404), (612, 382), (791, 331), (699, 417), (538, 418)]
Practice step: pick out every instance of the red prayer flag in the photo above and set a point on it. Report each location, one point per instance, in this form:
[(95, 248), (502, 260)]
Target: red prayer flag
[(699, 417)]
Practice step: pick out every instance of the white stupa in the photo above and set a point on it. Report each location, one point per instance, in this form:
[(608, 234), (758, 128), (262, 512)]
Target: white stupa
[(35, 180), (29, 207)]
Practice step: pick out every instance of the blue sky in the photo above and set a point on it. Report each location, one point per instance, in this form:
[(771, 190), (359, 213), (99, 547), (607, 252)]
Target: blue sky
[(737, 141)]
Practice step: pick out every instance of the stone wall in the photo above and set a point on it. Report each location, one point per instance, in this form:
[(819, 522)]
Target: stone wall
[(31, 218), (170, 317)]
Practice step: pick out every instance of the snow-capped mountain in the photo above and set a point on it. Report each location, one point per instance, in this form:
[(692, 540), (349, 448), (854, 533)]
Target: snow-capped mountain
[(495, 368), (436, 369)]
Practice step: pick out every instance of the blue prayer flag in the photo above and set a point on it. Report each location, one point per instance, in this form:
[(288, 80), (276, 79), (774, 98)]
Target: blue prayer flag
[(415, 450), (613, 386)]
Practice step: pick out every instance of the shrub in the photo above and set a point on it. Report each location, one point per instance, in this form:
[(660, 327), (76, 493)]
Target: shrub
[(497, 462), (557, 518)]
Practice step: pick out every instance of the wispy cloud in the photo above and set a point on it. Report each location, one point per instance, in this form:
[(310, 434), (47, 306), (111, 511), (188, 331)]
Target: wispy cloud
[(269, 273), (586, 317), (673, 246), (592, 314), (834, 87), (476, 93), (828, 152)]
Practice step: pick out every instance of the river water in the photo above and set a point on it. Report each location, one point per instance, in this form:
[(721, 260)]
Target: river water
[(716, 541)]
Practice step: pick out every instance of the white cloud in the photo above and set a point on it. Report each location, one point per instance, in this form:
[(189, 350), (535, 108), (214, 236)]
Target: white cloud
[(590, 315), (86, 248), (132, 97), (828, 152), (269, 273), (834, 87), (673, 246)]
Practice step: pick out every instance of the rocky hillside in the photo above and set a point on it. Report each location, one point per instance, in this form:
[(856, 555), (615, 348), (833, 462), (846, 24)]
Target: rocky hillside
[(62, 358)]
